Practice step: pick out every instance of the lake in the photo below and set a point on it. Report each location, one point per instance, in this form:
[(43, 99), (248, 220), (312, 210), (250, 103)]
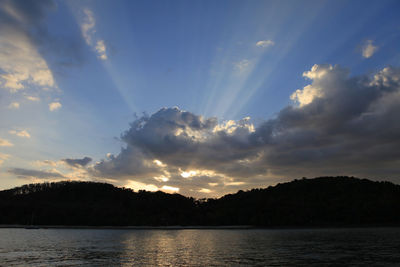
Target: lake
[(252, 247)]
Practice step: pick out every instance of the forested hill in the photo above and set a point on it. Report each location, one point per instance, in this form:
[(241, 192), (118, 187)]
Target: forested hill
[(325, 201)]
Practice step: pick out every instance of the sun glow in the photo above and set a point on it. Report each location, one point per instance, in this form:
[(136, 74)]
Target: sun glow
[(188, 174), (170, 188), (159, 163), (141, 186), (198, 173), (161, 178), (205, 190)]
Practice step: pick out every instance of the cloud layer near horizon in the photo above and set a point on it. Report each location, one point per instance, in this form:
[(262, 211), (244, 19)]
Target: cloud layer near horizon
[(28, 173), (337, 125)]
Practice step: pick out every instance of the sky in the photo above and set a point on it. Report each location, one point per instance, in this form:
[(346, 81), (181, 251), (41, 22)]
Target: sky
[(202, 98)]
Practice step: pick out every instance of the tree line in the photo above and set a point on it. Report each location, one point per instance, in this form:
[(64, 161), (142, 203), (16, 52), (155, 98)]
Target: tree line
[(323, 201)]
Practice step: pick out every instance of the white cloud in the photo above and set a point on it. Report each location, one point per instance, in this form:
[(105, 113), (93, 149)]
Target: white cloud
[(317, 71), (4, 142), (54, 106), (33, 98), (14, 105), (368, 49), (265, 43), (20, 62), (319, 86), (101, 49), (22, 133), (306, 95), (87, 26), (232, 126), (88, 29)]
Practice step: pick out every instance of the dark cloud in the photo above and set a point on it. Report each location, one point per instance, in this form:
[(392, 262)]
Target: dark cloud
[(78, 162), (340, 125), (352, 127), (179, 139), (27, 173)]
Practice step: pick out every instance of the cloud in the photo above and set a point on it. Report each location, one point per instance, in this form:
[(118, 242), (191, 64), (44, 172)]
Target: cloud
[(20, 62), (22, 133), (71, 171), (368, 49), (78, 162), (3, 157), (349, 128), (101, 49), (310, 92), (28, 173), (4, 142), (54, 106), (243, 65), (33, 98), (265, 43), (88, 28), (338, 125), (13, 105), (174, 148), (41, 163)]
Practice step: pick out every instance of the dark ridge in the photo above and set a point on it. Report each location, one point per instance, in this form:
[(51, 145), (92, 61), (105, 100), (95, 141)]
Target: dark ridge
[(318, 202)]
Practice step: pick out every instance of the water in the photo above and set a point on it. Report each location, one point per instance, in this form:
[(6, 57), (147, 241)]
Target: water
[(326, 247)]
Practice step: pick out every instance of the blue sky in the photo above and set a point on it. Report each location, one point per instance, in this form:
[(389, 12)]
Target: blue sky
[(73, 74)]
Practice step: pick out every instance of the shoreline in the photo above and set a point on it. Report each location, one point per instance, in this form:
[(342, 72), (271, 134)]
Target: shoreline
[(195, 227), (173, 227)]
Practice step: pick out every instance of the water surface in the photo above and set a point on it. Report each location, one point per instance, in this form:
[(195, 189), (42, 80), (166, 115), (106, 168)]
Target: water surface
[(254, 247)]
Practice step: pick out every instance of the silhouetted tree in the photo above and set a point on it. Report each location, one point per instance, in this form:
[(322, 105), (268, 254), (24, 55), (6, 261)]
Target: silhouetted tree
[(324, 201)]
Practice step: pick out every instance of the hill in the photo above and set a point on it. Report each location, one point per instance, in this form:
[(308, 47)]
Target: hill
[(324, 201)]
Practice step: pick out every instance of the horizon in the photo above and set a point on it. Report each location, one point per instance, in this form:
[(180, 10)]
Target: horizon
[(198, 98), (217, 197), (288, 181)]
